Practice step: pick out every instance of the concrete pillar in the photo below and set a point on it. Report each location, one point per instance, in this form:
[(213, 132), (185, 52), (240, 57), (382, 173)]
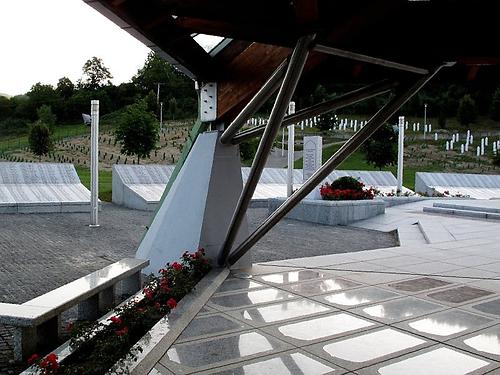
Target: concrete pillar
[(131, 285), (106, 300), (30, 340), (401, 138), (89, 309)]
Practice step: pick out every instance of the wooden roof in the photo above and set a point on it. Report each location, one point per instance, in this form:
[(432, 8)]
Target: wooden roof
[(422, 34)]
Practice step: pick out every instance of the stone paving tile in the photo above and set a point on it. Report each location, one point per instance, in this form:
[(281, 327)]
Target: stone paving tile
[(418, 285), (279, 312), (234, 284), (292, 276), (251, 298), (222, 350), (459, 294), (484, 342), (357, 297), (296, 362), (435, 360), (398, 310), (316, 329), (446, 325), (211, 325), (321, 286), (470, 261), (367, 348)]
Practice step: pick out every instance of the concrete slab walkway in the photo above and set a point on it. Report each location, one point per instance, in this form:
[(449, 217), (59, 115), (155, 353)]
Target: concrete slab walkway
[(422, 308)]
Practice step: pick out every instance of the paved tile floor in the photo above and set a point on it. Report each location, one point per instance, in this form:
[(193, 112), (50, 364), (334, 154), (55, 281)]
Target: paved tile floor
[(431, 307)]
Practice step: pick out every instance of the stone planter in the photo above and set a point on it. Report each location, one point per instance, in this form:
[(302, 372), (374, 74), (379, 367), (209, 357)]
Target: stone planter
[(331, 212), (161, 336)]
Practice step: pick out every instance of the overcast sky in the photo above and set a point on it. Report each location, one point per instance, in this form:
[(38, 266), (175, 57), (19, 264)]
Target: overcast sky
[(44, 40)]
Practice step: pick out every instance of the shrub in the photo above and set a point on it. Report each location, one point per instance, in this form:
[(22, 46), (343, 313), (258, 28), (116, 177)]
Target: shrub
[(466, 113), (347, 182)]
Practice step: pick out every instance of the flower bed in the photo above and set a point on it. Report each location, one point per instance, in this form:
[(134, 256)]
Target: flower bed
[(346, 188), (99, 346)]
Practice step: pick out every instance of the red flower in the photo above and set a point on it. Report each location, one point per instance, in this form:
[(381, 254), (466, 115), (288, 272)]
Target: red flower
[(164, 285), (177, 266), (171, 303), (122, 332), (33, 359), (50, 362), (116, 320), (148, 293), (52, 358)]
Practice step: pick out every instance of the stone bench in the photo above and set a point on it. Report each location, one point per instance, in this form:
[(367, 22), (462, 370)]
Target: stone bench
[(37, 322)]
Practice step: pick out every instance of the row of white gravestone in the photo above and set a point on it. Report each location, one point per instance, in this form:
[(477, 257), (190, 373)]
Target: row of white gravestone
[(469, 140), (310, 122), (351, 124)]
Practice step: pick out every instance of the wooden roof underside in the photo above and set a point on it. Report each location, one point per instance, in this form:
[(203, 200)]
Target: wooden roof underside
[(423, 34)]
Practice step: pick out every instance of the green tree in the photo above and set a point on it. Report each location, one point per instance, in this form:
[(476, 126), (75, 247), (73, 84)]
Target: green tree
[(495, 105), (138, 131), (46, 116), (466, 112), (39, 95), (39, 139), (96, 74), (381, 149), (65, 88), (327, 121)]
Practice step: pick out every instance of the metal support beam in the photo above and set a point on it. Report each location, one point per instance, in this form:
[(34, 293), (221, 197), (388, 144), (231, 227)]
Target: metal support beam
[(405, 93), (271, 85), (368, 59), (324, 107), (292, 76)]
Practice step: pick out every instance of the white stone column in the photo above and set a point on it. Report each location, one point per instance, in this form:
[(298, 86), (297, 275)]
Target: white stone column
[(94, 164), (291, 146), (401, 123)]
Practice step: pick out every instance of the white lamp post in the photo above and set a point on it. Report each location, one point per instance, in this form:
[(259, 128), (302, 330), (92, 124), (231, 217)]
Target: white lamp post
[(401, 126), (94, 163), (291, 144), (425, 119)]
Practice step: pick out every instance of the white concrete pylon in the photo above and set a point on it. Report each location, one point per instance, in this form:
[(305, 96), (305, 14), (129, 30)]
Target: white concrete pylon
[(430, 128), (466, 147), (471, 139), (435, 136), (447, 145), (482, 146), (462, 148), (418, 126), (486, 141), (478, 152)]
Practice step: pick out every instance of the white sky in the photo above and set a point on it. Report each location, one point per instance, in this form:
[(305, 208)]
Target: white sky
[(44, 40)]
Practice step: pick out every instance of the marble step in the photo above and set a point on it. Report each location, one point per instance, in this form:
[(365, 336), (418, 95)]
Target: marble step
[(467, 207), (464, 213)]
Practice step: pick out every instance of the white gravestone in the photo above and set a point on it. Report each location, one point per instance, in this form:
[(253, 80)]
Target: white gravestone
[(447, 145), (486, 141), (478, 151), (313, 152), (435, 136)]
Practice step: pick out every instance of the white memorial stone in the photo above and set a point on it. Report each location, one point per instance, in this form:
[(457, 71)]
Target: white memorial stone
[(312, 155), (466, 147), (430, 128), (486, 141), (447, 145), (418, 126), (462, 148), (482, 146), (478, 153), (471, 139), (435, 136)]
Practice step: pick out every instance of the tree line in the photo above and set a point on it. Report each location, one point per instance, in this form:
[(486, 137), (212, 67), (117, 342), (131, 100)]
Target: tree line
[(66, 101)]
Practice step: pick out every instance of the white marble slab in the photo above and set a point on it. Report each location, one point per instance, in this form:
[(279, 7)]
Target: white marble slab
[(34, 185), (476, 186)]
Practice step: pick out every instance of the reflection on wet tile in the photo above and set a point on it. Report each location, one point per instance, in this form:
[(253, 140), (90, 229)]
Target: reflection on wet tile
[(373, 345), (235, 284), (322, 286), (293, 276), (448, 323), (201, 353), (460, 294), (401, 309), (250, 298), (359, 296), (487, 341), (491, 307), (208, 325), (285, 364), (318, 328), (283, 311), (436, 362), (417, 285)]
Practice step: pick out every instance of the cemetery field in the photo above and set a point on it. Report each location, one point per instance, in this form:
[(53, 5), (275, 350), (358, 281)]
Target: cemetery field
[(76, 149)]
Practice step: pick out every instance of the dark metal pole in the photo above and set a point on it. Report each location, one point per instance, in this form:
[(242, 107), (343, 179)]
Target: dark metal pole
[(292, 76), (271, 85), (369, 59), (324, 107), (347, 149)]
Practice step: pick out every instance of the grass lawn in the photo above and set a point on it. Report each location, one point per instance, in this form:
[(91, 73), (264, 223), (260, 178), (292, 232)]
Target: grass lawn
[(105, 184), (357, 162)]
